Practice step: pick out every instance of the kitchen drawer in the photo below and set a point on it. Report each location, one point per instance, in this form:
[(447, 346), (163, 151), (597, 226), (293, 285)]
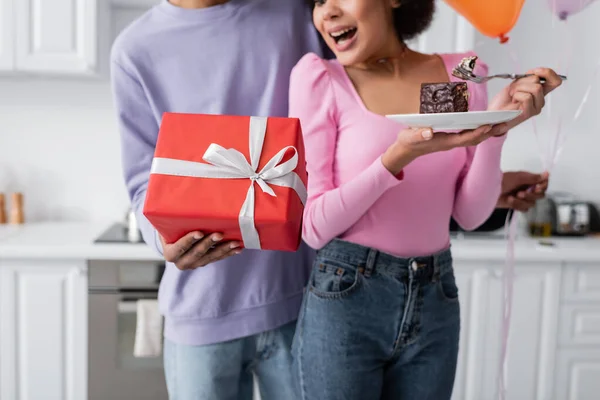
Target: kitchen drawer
[(125, 273), (577, 373), (579, 324), (581, 282)]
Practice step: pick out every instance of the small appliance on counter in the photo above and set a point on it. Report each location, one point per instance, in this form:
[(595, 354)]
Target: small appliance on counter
[(562, 214), (125, 232)]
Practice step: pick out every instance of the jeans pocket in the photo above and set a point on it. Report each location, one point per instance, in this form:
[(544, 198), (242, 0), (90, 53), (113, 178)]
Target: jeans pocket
[(333, 279), (447, 287)]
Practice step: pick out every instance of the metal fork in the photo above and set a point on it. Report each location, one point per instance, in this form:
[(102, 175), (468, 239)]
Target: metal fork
[(465, 74)]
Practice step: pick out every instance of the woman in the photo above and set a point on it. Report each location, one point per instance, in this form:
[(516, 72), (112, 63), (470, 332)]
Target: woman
[(381, 315)]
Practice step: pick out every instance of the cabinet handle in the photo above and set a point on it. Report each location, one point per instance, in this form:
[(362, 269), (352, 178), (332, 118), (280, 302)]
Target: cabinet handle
[(130, 291)]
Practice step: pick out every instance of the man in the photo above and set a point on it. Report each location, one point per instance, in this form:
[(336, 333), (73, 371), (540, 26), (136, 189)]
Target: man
[(236, 316)]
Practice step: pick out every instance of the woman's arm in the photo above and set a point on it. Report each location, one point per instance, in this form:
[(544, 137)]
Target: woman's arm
[(330, 210), (480, 183)]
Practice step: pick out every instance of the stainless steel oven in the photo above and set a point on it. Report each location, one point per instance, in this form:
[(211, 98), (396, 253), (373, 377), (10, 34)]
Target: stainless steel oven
[(114, 372)]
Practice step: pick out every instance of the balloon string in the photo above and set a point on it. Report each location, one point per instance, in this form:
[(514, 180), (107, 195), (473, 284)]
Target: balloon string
[(588, 91), (557, 146), (562, 135), (511, 223), (507, 297), (569, 47), (508, 275), (517, 68)]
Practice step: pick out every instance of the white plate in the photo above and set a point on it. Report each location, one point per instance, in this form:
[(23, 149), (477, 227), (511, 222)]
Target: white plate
[(454, 121)]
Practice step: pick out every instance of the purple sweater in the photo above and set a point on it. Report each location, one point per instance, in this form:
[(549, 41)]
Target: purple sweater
[(232, 59)]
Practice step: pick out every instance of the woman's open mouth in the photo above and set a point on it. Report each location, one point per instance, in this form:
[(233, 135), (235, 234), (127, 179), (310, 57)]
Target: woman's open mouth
[(343, 37)]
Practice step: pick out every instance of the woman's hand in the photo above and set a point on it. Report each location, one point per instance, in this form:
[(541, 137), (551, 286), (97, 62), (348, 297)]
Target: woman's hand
[(413, 143), (526, 94)]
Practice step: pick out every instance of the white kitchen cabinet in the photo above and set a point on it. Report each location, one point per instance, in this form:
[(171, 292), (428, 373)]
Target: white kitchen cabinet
[(43, 330), (578, 376), (554, 347), (62, 37), (58, 36), (6, 35), (578, 368), (533, 330)]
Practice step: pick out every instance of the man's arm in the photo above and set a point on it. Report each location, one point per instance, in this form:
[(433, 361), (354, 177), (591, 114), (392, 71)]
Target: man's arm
[(138, 130), (496, 221), (520, 191)]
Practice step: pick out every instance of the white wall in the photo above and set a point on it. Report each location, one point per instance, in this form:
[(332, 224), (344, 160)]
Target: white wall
[(59, 142), (59, 145), (536, 42)]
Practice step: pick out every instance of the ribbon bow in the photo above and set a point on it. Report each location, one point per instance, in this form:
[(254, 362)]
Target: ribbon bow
[(232, 164)]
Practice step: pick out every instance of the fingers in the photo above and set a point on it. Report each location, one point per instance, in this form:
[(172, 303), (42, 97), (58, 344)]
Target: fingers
[(206, 251), (416, 135), (530, 196), (542, 186), (426, 134), (534, 91), (499, 130), (522, 178), (520, 204), (446, 141), (527, 103), (473, 137), (219, 253), (173, 252), (424, 140), (191, 257), (552, 79)]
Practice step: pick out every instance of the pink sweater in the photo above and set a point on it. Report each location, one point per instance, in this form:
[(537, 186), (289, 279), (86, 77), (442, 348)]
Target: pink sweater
[(352, 196)]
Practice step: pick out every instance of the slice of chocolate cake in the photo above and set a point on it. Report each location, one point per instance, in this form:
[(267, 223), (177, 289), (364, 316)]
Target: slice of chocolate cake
[(445, 97)]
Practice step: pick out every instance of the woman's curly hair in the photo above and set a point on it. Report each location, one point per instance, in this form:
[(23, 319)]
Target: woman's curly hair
[(411, 18)]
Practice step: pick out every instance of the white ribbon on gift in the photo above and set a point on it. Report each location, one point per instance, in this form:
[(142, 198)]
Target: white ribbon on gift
[(232, 164)]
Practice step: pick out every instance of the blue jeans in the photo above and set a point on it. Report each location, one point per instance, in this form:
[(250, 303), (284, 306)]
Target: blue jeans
[(373, 326), (224, 371)]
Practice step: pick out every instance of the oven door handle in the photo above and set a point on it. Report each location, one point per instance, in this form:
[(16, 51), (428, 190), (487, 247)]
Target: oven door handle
[(126, 291)]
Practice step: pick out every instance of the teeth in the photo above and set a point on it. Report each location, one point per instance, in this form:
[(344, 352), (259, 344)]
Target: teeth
[(337, 34)]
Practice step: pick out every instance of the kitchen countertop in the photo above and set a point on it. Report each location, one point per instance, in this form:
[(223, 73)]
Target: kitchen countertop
[(65, 240)]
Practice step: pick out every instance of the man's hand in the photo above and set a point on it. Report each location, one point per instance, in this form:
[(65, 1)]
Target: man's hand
[(196, 250), (520, 190)]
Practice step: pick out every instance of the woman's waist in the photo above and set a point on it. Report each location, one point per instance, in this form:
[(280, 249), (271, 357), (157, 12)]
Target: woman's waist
[(358, 256), (401, 237)]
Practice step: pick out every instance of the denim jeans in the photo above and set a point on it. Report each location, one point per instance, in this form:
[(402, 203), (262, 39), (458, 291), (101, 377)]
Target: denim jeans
[(373, 326), (224, 371)]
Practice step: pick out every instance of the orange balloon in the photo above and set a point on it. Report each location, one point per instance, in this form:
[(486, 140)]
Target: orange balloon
[(493, 18)]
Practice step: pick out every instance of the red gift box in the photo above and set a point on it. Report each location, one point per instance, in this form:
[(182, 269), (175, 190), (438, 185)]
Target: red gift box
[(244, 177)]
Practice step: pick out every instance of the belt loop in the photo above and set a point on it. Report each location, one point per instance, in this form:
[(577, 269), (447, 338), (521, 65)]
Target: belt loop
[(436, 268), (371, 257)]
